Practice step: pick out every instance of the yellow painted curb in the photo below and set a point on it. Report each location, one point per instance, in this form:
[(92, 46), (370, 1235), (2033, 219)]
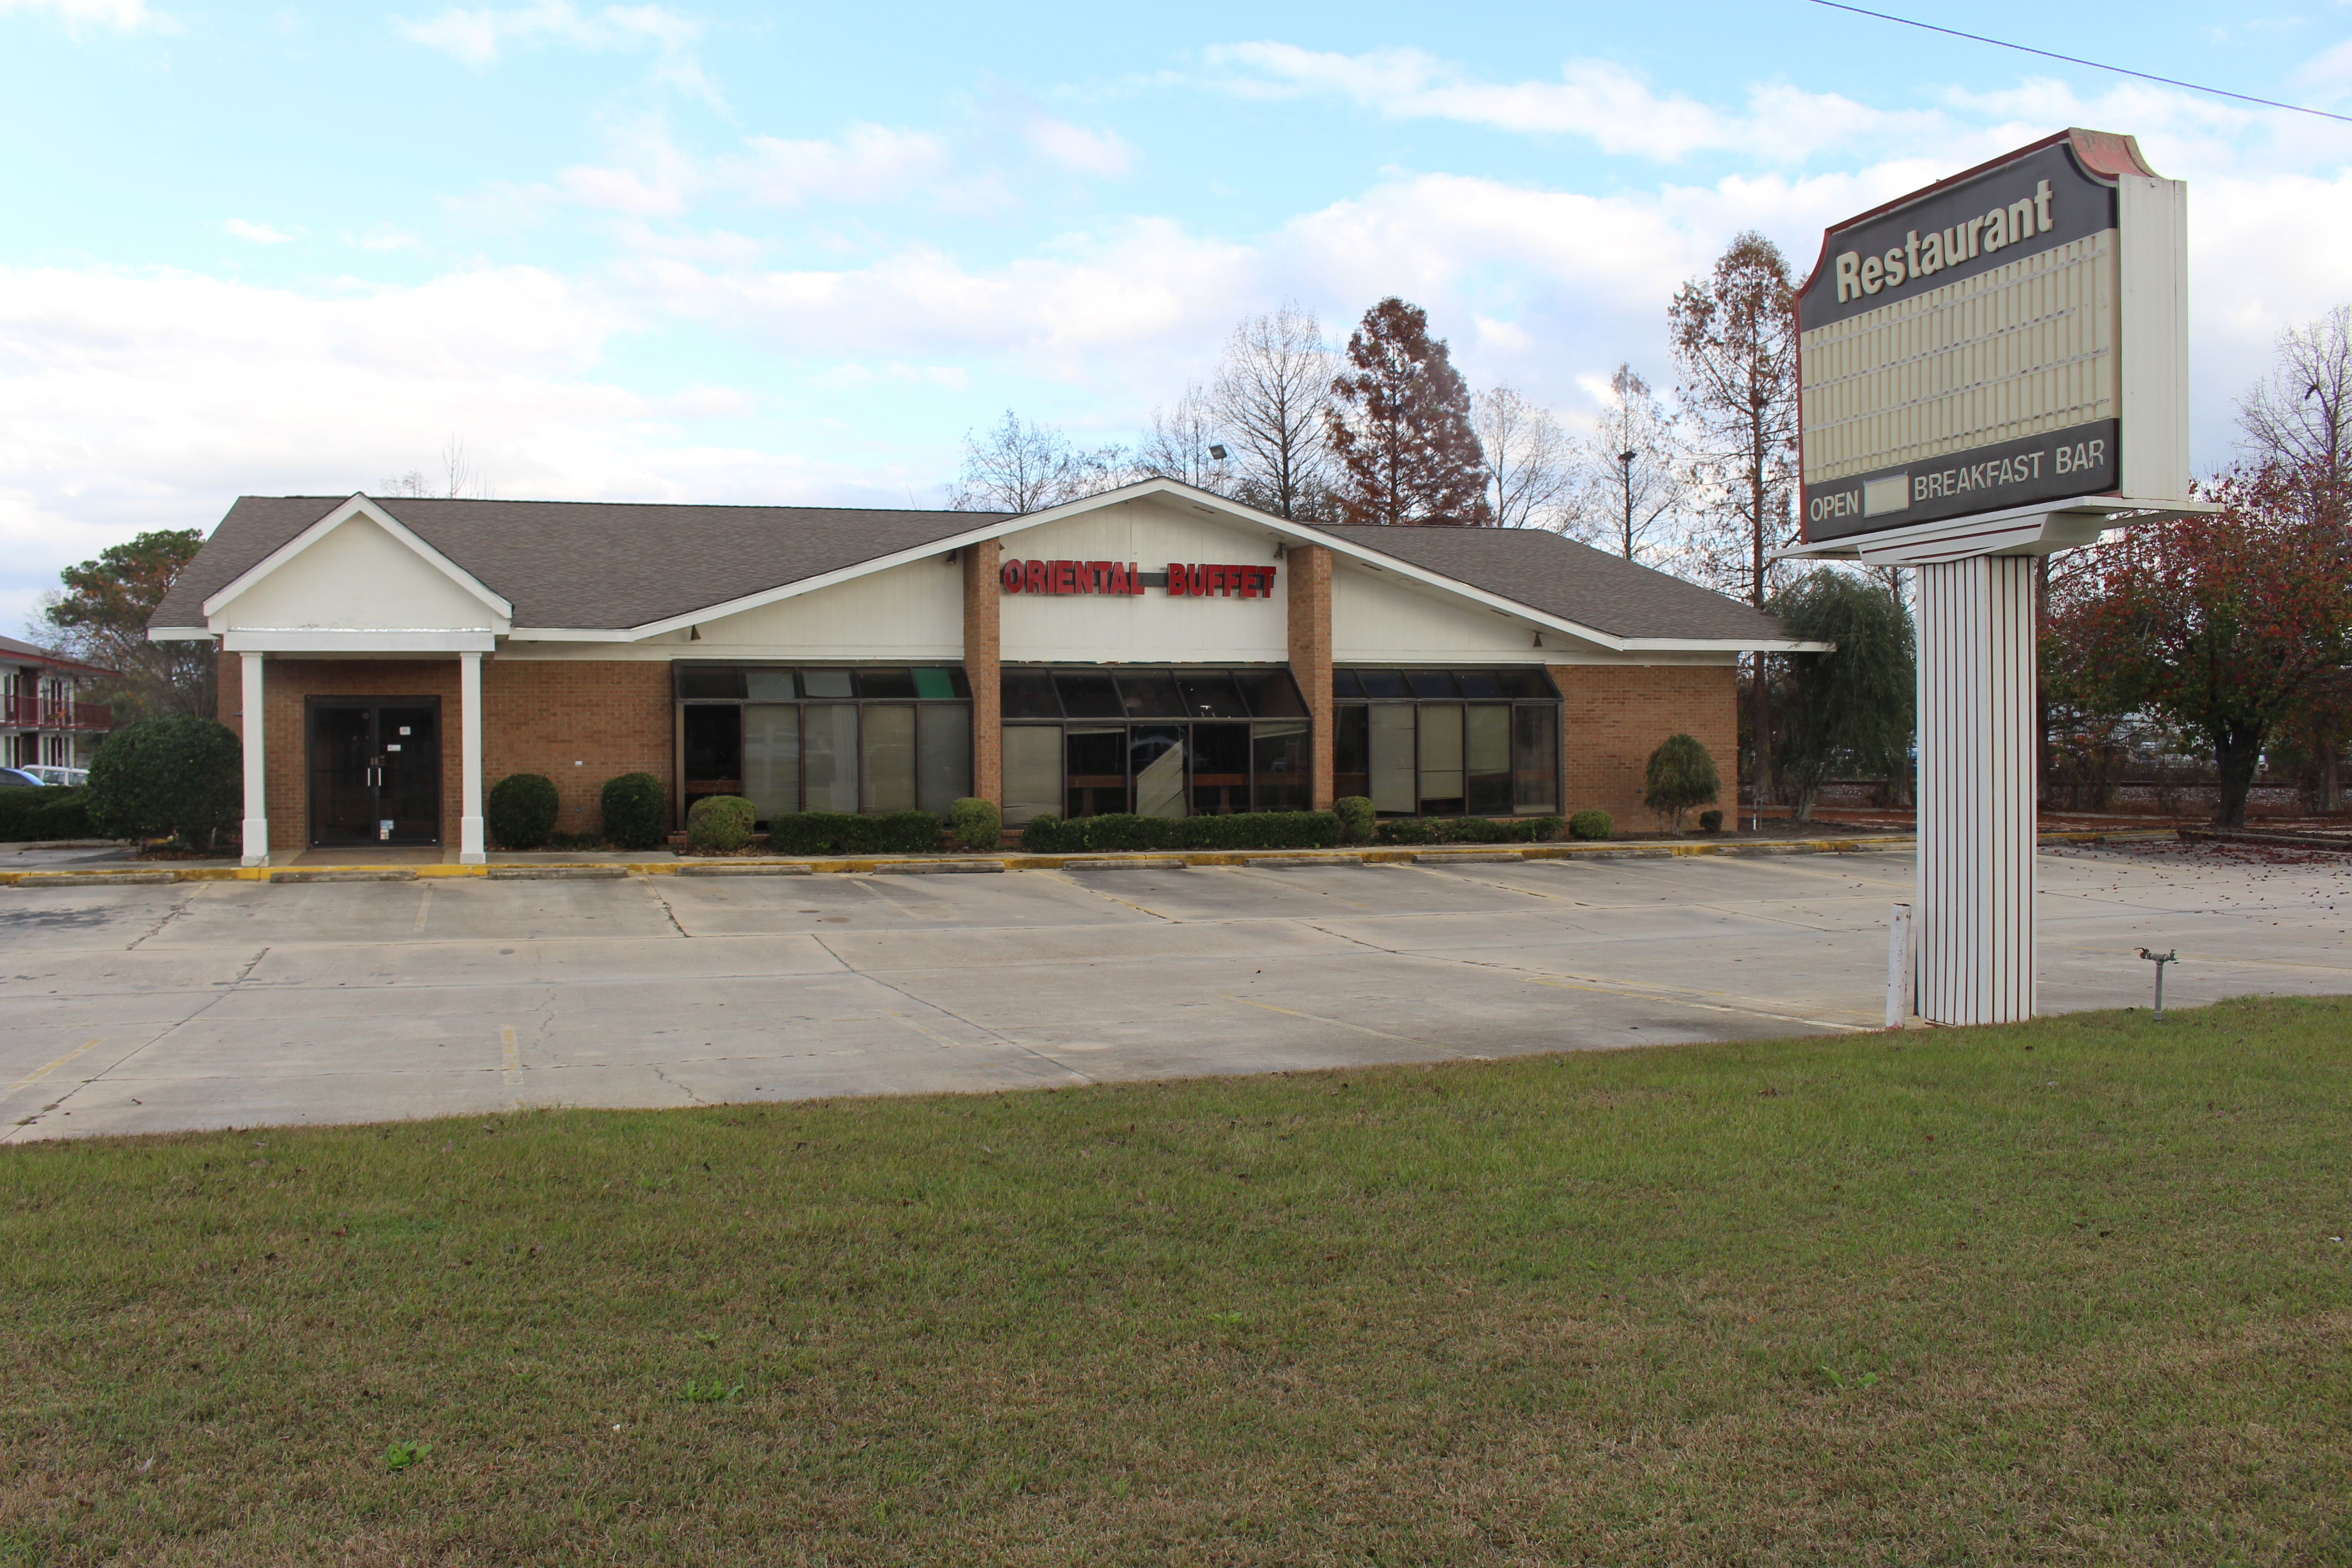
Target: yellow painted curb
[(1370, 856)]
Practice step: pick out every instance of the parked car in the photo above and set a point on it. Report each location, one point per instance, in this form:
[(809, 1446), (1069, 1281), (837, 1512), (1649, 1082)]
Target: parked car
[(65, 778), (18, 778)]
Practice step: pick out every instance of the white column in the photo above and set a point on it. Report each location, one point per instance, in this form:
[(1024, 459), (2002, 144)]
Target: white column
[(1974, 902), (469, 698), (256, 722)]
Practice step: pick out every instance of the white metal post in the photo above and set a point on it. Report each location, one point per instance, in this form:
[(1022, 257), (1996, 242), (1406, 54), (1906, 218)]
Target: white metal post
[(1898, 966), (1976, 790), (255, 722), (469, 823)]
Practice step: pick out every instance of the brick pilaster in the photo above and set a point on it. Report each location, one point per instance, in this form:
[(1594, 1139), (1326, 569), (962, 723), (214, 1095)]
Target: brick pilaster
[(983, 665), (1310, 654)]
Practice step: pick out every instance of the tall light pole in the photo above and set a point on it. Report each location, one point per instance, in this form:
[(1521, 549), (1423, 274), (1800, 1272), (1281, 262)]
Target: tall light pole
[(1625, 460)]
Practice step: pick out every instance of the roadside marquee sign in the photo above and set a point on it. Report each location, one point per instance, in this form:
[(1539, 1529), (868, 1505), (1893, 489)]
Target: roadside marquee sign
[(2014, 335)]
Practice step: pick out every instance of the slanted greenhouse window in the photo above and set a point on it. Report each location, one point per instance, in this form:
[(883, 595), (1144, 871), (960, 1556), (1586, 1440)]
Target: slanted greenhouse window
[(1447, 742), (1094, 739), (791, 739)]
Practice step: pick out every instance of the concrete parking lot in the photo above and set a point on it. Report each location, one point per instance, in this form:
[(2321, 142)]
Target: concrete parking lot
[(127, 1009)]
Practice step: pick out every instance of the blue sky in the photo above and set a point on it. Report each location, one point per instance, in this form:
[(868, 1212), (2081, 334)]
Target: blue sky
[(793, 254)]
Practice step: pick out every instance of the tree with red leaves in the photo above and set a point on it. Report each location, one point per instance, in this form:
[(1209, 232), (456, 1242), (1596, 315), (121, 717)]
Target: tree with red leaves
[(1399, 424), (2225, 624)]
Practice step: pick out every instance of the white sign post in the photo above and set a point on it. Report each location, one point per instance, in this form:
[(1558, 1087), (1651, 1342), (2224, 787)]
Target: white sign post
[(1991, 369)]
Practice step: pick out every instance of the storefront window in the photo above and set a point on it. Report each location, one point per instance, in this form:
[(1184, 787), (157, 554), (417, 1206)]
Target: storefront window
[(1159, 741), (886, 761), (942, 752), (771, 757), (829, 758), (792, 740), (1033, 769), (1281, 767), (1447, 742), (1535, 757)]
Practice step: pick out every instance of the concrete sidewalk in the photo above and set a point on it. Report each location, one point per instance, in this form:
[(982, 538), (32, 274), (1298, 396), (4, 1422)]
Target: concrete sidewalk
[(202, 1004)]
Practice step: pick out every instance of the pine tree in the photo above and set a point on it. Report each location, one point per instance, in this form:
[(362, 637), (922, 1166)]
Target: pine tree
[(1400, 426)]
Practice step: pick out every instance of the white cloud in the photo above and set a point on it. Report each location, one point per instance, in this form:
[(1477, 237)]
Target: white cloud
[(647, 176), (2330, 71), (1596, 99), (259, 232), (868, 163), (1076, 148), (478, 37), (382, 236), (141, 399), (124, 15)]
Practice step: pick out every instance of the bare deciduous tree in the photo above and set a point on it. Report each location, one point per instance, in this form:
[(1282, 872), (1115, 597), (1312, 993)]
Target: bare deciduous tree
[(2301, 414), (1530, 470), (460, 478), (1735, 341), (2298, 420), (1269, 398), (1186, 443), (1018, 466), (1633, 470)]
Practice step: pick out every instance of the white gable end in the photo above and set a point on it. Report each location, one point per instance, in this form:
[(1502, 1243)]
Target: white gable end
[(914, 611), (1379, 618), (356, 577)]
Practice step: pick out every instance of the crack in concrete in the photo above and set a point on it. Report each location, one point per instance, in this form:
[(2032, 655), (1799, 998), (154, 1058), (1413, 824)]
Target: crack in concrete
[(658, 897), (974, 1024), (675, 1084), (195, 890)]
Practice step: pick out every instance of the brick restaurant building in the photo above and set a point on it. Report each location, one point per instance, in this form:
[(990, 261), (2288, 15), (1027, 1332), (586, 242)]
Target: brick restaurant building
[(1154, 648)]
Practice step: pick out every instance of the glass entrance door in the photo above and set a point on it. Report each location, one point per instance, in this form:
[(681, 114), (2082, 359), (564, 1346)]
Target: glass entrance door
[(375, 771)]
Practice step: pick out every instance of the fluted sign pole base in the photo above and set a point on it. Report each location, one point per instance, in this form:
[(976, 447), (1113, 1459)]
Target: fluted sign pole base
[(1976, 746)]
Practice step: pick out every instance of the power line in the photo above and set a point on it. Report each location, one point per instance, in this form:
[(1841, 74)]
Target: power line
[(2074, 60)]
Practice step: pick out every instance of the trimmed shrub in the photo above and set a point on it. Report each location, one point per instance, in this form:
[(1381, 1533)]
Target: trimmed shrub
[(892, 833), (1590, 824), (636, 811), (1470, 830), (1263, 830), (1356, 820), (1120, 831), (1710, 822), (1681, 775), (28, 815), (179, 778), (976, 824), (718, 822), (849, 833), (1044, 835), (521, 811)]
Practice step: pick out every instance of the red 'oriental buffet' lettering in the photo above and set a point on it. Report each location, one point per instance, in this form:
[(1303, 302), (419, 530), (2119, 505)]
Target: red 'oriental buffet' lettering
[(1196, 581)]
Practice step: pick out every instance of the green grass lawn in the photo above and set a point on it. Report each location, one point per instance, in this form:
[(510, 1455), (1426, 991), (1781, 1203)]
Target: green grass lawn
[(2065, 1293)]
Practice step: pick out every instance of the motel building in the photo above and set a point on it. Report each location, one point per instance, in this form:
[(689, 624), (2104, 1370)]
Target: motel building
[(1153, 649)]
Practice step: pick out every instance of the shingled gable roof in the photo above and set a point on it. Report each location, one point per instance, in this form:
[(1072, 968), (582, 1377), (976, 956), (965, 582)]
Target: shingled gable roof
[(1572, 582), (619, 567), (585, 563)]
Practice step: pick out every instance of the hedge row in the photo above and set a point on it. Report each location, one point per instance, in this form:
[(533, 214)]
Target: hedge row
[(846, 833), (1470, 830), (29, 815), (1050, 835)]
